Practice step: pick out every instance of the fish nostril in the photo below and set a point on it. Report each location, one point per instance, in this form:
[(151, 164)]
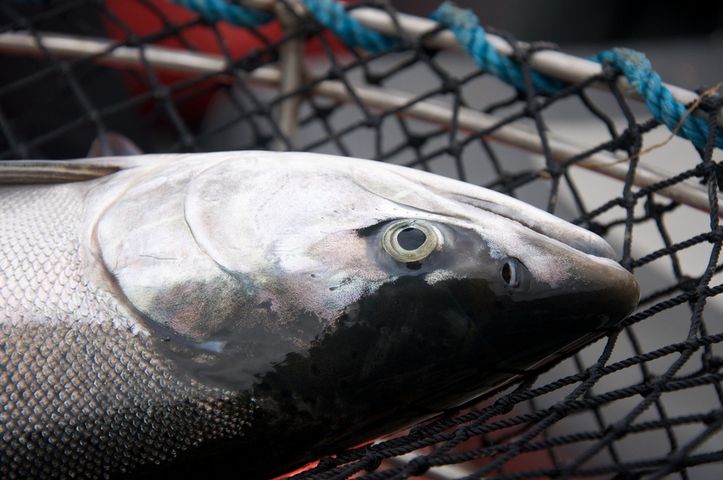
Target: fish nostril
[(506, 273), (512, 273)]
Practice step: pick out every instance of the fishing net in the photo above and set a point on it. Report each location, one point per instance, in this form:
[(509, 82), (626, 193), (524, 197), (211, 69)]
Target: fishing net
[(645, 401)]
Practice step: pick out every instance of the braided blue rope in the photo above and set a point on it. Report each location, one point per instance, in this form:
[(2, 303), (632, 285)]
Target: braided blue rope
[(660, 102), (470, 34), (634, 65), (215, 10), (327, 12), (334, 16)]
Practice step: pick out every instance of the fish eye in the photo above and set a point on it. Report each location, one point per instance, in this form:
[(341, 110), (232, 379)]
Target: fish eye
[(511, 272), (410, 241)]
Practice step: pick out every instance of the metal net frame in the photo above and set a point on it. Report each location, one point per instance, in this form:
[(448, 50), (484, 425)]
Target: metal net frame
[(76, 70)]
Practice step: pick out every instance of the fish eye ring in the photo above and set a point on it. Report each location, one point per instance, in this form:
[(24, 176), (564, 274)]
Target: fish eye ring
[(410, 241)]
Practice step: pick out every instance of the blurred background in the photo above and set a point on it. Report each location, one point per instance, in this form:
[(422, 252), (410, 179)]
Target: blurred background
[(684, 40), (570, 21)]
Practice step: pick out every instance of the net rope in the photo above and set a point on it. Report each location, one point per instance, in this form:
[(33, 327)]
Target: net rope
[(586, 417)]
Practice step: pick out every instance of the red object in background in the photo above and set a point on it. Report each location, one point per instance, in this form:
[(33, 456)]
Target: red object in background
[(148, 18), (131, 18), (145, 19)]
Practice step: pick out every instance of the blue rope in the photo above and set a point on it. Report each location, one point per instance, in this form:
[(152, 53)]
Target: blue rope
[(660, 102), (334, 16), (634, 65), (215, 10), (327, 12), (470, 34)]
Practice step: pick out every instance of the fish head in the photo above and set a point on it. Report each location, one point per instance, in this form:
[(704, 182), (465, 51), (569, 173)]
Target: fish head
[(443, 276), (353, 292)]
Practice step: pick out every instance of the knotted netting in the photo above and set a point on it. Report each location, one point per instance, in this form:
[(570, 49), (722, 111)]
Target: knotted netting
[(568, 135)]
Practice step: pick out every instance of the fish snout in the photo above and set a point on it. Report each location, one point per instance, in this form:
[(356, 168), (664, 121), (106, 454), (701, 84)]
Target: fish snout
[(606, 289), (561, 282), (547, 322)]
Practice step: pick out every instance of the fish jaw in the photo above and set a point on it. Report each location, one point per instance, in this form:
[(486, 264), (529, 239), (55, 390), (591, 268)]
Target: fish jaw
[(410, 350), (543, 325), (414, 347)]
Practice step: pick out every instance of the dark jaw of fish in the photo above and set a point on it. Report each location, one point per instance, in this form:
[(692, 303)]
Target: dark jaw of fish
[(402, 354)]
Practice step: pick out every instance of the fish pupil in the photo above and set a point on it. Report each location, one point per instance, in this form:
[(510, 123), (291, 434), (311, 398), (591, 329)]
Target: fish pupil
[(411, 238)]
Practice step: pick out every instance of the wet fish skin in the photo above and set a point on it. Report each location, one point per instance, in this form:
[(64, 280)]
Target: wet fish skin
[(200, 313)]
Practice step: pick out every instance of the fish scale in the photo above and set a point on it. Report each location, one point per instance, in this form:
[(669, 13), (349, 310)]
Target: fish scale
[(82, 397)]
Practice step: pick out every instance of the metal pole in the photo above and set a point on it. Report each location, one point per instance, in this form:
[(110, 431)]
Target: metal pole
[(614, 166), (291, 63), (558, 65)]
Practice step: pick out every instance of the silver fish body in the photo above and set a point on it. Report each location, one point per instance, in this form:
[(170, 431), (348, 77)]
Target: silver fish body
[(255, 310)]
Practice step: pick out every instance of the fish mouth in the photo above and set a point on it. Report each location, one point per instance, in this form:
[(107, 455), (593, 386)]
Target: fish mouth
[(541, 222)]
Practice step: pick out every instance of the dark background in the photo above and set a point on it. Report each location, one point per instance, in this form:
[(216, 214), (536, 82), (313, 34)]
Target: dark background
[(683, 40), (566, 21)]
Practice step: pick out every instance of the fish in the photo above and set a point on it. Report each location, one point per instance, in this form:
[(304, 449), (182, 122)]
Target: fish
[(250, 312)]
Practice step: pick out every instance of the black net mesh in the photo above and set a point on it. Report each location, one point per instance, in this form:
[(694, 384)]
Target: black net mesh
[(643, 402)]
